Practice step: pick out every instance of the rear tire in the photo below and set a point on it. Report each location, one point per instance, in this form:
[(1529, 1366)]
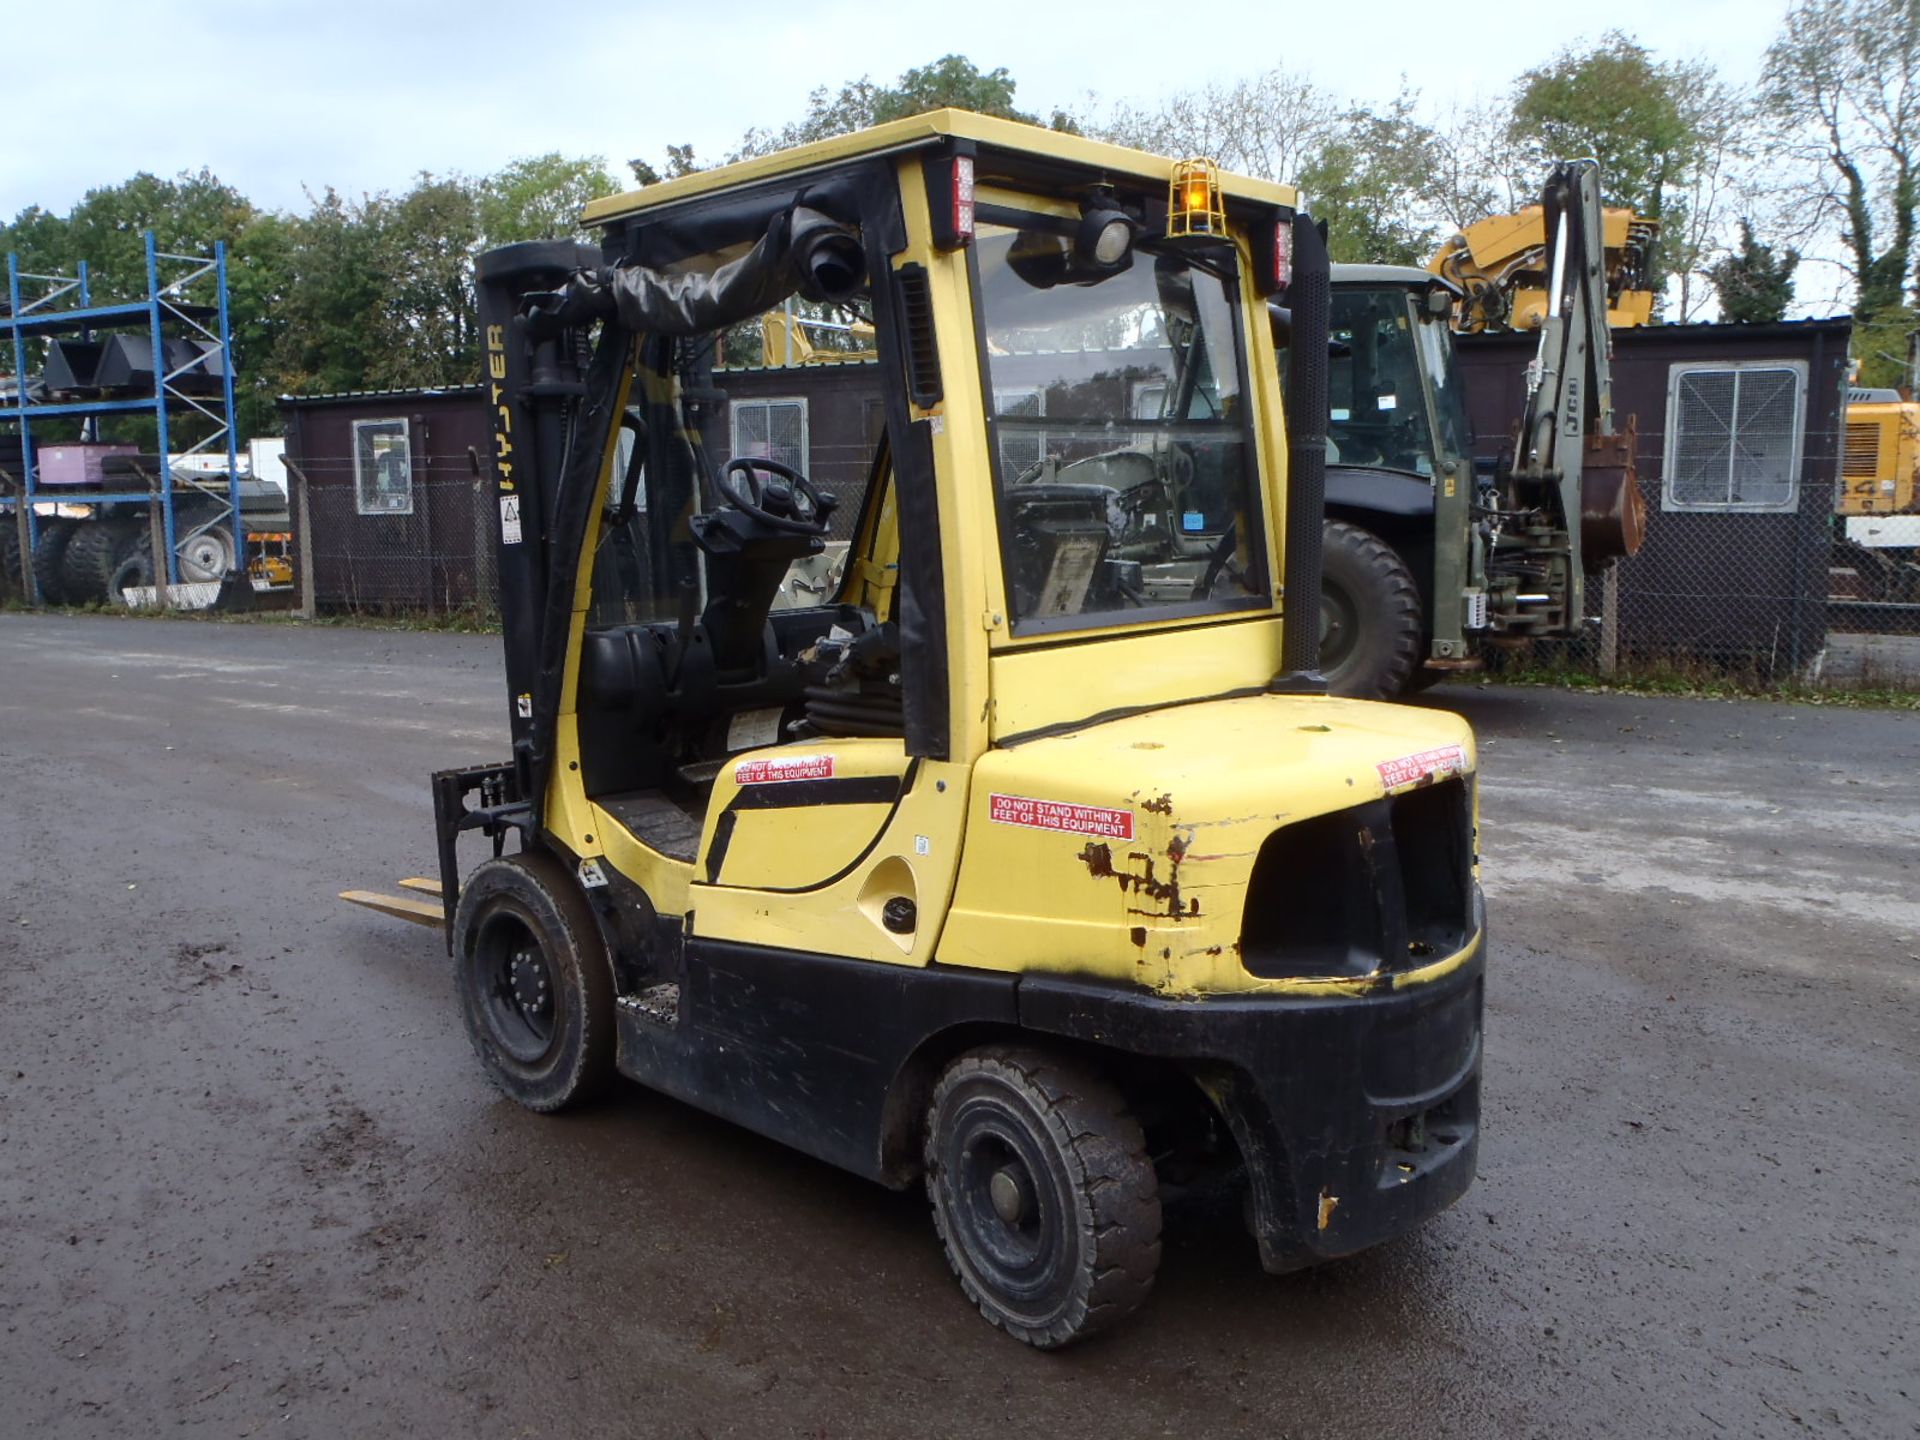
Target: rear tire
[(1042, 1193), (49, 555), (1370, 620), (534, 983)]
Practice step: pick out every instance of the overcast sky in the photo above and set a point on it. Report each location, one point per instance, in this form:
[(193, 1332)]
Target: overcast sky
[(361, 96)]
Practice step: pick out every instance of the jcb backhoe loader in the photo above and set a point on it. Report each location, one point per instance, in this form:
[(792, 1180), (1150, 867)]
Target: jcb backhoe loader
[(1036, 866), (1426, 560)]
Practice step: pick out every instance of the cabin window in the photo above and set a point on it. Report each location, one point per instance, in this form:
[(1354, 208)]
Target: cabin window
[(382, 467), (1734, 435), (771, 430)]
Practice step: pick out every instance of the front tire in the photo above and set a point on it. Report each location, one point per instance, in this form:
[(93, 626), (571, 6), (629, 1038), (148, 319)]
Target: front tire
[(1370, 619), (534, 983), (1042, 1193)]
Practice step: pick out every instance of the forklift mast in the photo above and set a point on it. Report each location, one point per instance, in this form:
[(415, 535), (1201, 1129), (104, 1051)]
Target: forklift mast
[(534, 386)]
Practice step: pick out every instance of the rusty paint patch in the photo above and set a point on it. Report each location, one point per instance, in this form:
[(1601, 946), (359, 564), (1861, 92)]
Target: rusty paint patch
[(1161, 806), (1328, 1204), (1098, 859), (1142, 878), (1139, 933)]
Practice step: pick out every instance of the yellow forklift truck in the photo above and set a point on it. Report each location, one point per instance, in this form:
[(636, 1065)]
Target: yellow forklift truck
[(1036, 866)]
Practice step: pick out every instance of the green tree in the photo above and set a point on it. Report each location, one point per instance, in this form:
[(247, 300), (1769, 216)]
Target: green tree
[(1614, 103), (951, 81), (1620, 106), (1372, 182), (188, 215), (1755, 282), (425, 243), (332, 329), (540, 198)]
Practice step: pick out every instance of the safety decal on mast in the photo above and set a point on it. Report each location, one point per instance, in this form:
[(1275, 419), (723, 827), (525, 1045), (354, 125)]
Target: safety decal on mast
[(509, 519)]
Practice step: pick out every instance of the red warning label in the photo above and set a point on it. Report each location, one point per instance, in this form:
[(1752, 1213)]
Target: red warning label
[(783, 767), (1447, 760), (1057, 815)]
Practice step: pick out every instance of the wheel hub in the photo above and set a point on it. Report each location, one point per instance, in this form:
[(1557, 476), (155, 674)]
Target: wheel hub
[(527, 976), (1011, 1190)]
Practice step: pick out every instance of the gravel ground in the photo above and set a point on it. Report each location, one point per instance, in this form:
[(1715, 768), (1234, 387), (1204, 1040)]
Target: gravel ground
[(252, 1181)]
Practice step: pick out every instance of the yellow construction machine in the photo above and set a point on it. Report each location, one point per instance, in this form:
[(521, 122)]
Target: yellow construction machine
[(1878, 502), (1502, 267)]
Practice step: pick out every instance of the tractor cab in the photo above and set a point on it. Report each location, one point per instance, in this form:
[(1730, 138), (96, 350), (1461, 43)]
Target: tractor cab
[(935, 775)]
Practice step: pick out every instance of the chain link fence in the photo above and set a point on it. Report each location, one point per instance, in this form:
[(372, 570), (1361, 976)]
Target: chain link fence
[(1748, 452), (435, 557)]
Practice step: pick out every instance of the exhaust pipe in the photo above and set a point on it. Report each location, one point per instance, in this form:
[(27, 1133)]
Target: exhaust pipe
[(1310, 297), (828, 261)]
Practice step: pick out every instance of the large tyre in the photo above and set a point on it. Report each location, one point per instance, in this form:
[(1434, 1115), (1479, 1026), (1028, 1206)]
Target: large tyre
[(1042, 1193), (133, 568), (13, 584), (49, 556), (92, 556), (1370, 620), (534, 983)]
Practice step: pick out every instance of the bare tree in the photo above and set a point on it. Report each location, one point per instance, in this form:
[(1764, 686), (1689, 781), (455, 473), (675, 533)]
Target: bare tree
[(1479, 170), (1271, 125), (1845, 77), (1705, 214)]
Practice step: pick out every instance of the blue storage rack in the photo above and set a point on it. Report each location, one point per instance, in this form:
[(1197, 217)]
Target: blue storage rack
[(182, 292)]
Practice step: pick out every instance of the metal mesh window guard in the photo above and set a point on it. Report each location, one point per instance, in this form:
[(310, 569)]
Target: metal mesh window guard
[(1733, 438)]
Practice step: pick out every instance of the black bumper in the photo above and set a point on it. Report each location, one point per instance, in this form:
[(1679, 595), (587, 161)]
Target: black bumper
[(1358, 1117)]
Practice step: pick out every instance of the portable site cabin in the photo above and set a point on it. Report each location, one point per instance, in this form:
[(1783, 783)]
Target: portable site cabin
[(391, 519), (1738, 456), (394, 521)]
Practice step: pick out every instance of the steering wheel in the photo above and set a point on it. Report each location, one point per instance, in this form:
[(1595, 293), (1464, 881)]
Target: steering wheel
[(776, 495)]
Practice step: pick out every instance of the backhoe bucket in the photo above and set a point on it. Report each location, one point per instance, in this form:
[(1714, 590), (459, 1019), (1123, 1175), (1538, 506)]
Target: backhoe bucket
[(1613, 513)]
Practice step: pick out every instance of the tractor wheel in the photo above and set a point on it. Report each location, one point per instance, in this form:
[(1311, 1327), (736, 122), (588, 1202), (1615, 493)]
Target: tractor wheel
[(206, 554), (49, 555), (13, 583), (534, 982), (92, 556), (1370, 621), (1042, 1193)]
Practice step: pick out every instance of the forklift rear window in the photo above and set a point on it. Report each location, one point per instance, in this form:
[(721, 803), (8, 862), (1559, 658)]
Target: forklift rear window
[(1122, 456)]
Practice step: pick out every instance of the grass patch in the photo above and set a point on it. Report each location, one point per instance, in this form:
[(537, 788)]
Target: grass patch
[(1694, 680), (456, 622)]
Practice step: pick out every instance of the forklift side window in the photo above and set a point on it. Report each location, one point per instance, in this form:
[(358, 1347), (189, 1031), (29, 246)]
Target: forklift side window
[(745, 392), (1124, 465)]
